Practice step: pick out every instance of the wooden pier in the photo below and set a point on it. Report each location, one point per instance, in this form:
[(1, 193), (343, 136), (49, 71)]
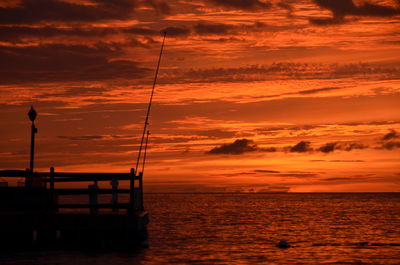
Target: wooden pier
[(34, 217)]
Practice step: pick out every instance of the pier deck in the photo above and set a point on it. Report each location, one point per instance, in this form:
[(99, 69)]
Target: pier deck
[(32, 217)]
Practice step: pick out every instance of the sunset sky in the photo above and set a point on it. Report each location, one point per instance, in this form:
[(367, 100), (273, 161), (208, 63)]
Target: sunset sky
[(253, 95)]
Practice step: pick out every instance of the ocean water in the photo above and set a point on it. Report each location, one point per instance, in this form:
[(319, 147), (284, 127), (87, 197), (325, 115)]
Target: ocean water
[(245, 229)]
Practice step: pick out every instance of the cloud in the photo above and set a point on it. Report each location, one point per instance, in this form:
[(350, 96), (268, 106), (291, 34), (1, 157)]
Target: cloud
[(391, 135), (58, 62), (285, 70), (301, 147), (212, 29), (160, 7), (317, 90), (327, 148), (287, 6), (337, 179), (346, 161), (345, 146), (342, 8), (248, 5), (295, 174), (304, 146), (370, 123), (33, 11), (390, 145), (206, 28), (238, 147), (266, 171), (352, 146), (82, 137), (177, 31), (299, 175), (216, 133)]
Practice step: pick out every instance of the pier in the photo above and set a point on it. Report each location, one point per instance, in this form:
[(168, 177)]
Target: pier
[(35, 216)]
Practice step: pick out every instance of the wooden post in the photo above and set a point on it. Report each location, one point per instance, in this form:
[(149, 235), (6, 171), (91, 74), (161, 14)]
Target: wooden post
[(114, 195), (141, 190), (52, 193), (132, 192), (94, 209), (28, 178), (52, 180)]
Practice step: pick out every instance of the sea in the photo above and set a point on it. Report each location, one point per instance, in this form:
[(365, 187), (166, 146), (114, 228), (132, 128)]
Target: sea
[(222, 228)]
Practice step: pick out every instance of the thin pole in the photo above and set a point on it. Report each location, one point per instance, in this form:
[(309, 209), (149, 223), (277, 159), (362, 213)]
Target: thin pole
[(32, 157), (145, 151), (146, 122)]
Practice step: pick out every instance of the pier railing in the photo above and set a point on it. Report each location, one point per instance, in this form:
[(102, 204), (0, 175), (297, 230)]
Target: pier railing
[(45, 183)]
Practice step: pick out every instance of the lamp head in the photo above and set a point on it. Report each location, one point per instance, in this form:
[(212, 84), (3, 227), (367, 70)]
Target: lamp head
[(32, 114)]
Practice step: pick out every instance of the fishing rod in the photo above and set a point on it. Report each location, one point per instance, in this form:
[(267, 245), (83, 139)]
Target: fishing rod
[(146, 122), (145, 151)]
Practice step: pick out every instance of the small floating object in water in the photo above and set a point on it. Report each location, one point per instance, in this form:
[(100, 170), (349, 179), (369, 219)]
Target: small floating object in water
[(283, 244)]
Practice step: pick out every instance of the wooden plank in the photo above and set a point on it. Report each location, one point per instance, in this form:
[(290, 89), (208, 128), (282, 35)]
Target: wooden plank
[(86, 191), (13, 173), (84, 174), (100, 205), (65, 176), (83, 178)]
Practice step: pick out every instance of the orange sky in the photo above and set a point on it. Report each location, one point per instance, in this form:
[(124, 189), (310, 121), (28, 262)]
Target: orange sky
[(295, 95)]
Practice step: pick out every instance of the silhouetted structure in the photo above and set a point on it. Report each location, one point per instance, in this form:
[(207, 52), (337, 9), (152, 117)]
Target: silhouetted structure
[(32, 216)]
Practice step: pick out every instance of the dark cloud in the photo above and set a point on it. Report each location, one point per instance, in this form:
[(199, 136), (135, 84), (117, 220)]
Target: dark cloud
[(266, 171), (301, 147), (391, 135), (327, 148), (29, 33), (249, 5), (295, 174), (299, 175), (352, 146), (326, 21), (141, 31), (330, 147), (287, 7), (337, 179), (17, 34), (238, 147), (177, 31), (216, 133), (58, 62), (390, 145), (33, 11), (349, 161), (23, 34), (342, 8), (161, 7), (285, 70), (82, 137), (212, 29), (317, 90), (370, 123)]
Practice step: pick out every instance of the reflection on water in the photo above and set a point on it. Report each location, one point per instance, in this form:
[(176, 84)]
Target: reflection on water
[(245, 228)]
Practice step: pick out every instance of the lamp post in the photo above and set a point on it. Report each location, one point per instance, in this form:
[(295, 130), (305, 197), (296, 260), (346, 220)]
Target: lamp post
[(32, 116)]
